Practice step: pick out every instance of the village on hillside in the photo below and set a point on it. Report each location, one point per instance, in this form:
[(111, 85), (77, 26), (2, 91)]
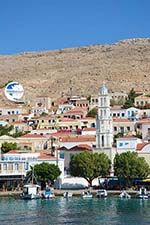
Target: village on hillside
[(53, 131)]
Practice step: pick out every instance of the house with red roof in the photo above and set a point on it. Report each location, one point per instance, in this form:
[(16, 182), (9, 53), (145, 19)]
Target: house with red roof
[(15, 164), (34, 142)]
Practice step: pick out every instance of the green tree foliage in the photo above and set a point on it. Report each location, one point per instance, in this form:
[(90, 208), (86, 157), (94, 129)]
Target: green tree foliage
[(6, 147), (129, 166), (92, 113), (89, 165), (46, 172), (130, 100), (5, 130)]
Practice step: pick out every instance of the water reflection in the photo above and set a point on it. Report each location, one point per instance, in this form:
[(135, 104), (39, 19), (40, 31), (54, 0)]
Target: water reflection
[(74, 211)]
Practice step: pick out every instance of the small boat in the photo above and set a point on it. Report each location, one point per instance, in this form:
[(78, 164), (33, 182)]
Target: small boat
[(31, 191), (87, 194), (48, 193), (102, 193), (142, 193), (67, 194), (124, 194)]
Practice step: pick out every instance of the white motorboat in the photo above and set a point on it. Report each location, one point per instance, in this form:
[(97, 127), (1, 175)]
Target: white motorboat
[(87, 194), (124, 194), (142, 193), (31, 191), (48, 193), (67, 194), (102, 193)]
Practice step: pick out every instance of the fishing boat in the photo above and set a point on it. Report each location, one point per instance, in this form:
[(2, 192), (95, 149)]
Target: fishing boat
[(124, 194), (31, 190), (48, 193), (142, 193), (67, 194), (87, 194), (102, 193)]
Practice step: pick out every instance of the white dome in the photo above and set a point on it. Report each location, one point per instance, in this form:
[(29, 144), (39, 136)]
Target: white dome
[(103, 90)]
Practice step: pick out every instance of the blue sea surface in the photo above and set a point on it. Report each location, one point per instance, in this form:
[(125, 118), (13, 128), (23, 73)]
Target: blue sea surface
[(110, 211)]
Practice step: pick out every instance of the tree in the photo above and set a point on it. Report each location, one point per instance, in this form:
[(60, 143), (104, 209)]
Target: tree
[(5, 130), (129, 166), (89, 165), (7, 146), (92, 113), (46, 172), (130, 100)]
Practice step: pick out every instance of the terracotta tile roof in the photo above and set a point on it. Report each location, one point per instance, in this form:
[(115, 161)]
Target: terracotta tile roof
[(12, 152), (144, 121), (17, 122), (89, 129), (33, 136), (140, 146), (44, 154), (142, 97), (80, 147), (67, 120), (84, 146), (77, 110), (124, 120), (128, 137), (80, 138)]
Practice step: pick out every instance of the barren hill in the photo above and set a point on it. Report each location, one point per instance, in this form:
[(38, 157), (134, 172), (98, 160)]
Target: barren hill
[(122, 65)]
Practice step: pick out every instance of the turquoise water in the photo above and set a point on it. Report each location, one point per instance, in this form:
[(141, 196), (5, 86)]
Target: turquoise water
[(110, 211)]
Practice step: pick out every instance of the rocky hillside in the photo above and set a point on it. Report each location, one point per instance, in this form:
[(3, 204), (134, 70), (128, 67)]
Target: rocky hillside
[(122, 65)]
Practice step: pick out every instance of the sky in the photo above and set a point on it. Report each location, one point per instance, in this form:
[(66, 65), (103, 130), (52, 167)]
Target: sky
[(37, 25)]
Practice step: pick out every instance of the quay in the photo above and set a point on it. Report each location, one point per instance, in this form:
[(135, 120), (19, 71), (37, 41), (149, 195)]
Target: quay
[(59, 192)]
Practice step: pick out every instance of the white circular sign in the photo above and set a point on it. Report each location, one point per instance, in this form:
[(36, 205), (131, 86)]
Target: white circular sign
[(14, 91)]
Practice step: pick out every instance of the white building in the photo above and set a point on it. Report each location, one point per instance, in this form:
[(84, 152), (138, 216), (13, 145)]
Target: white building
[(104, 131), (125, 144)]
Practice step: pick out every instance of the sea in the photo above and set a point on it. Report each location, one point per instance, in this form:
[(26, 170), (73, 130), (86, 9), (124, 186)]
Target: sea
[(74, 211)]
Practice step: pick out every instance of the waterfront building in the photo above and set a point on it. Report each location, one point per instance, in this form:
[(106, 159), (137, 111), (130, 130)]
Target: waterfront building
[(14, 165)]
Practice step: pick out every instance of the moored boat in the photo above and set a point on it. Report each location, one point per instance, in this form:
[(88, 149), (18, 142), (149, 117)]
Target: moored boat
[(67, 194), (31, 191), (102, 193), (124, 194), (142, 193), (48, 193), (87, 194)]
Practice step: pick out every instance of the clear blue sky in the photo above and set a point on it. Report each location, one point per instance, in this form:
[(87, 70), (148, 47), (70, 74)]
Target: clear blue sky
[(33, 25)]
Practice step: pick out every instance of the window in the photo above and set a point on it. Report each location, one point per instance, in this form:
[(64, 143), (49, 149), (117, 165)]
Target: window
[(5, 166), (122, 129), (120, 144), (123, 114), (102, 140), (16, 166), (115, 128), (128, 128)]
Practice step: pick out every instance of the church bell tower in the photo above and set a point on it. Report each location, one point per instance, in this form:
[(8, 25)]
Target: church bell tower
[(104, 130)]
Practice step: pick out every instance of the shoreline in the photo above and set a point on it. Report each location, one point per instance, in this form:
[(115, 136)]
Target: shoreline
[(59, 192)]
